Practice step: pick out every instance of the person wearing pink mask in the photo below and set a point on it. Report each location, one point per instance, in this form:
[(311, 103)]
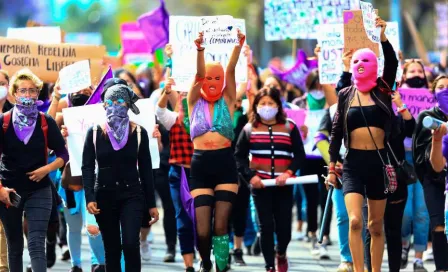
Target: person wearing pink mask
[(213, 173), (363, 120)]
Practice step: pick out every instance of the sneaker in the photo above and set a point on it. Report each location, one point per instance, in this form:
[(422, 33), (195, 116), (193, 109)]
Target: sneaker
[(315, 249), (75, 269), (418, 266), (170, 256), (428, 255), (189, 269), (270, 269), (404, 256), (28, 268), (203, 269), (257, 247), (65, 254), (299, 236), (238, 257), (327, 242), (345, 267), (282, 263), (145, 251), (51, 254), (323, 253)]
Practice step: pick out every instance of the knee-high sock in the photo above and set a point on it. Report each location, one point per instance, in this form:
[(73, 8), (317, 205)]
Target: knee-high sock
[(221, 250)]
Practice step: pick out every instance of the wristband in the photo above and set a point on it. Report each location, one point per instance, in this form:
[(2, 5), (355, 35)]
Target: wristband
[(331, 168), (169, 63), (201, 49), (289, 172), (402, 108)]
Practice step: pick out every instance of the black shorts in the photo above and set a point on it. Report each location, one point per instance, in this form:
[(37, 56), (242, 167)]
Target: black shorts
[(363, 173), (210, 168)]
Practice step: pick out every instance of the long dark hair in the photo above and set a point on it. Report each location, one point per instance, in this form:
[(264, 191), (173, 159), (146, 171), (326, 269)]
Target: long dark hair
[(118, 72), (275, 95)]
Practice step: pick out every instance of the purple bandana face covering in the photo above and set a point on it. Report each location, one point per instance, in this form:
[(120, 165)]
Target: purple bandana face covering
[(24, 118), (117, 125), (442, 100)]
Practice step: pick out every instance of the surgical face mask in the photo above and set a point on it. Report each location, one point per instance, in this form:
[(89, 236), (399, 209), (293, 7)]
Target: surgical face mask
[(3, 92), (267, 113)]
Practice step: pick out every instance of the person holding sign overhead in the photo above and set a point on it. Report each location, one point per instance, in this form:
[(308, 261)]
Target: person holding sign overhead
[(213, 173), (25, 185), (431, 170), (117, 196), (363, 120)]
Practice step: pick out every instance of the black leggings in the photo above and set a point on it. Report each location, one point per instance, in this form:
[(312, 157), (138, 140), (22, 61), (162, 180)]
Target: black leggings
[(239, 210), (274, 209)]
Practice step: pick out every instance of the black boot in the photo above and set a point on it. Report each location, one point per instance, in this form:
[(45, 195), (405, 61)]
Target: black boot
[(238, 257)]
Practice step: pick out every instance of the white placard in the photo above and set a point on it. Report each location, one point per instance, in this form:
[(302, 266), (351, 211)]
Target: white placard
[(75, 77), (331, 41), (291, 181), (368, 16), (39, 34), (183, 31), (79, 119), (218, 31)]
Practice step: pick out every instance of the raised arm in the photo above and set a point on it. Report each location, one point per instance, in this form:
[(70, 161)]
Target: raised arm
[(166, 117), (230, 89), (56, 97), (390, 58), (195, 91)]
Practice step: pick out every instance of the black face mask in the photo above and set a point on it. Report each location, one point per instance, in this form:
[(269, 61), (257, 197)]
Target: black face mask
[(416, 82), (79, 99)]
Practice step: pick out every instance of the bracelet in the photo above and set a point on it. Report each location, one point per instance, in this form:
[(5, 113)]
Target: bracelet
[(201, 49), (331, 168), (402, 108)]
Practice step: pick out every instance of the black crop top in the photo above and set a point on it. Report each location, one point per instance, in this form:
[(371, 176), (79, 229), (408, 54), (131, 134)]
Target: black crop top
[(375, 116)]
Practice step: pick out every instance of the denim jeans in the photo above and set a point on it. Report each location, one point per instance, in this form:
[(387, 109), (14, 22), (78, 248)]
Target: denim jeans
[(300, 199), (183, 221), (342, 224), (37, 206), (75, 224)]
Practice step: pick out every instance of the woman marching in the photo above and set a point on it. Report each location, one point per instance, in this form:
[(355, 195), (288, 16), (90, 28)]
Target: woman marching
[(277, 152), (430, 168), (117, 197), (213, 174), (363, 119), (24, 140)]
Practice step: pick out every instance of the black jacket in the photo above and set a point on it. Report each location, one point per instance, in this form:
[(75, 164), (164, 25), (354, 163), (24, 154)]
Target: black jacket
[(421, 147), (380, 95)]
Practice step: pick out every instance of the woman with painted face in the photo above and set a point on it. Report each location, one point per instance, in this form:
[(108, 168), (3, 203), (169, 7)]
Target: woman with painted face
[(213, 174), (430, 168), (118, 194), (278, 158), (24, 140), (364, 119)]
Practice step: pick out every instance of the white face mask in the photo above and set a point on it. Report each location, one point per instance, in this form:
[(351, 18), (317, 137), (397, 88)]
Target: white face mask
[(267, 112), (317, 94), (3, 92)]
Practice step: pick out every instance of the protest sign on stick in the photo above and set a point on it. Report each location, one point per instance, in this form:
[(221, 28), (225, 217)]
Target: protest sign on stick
[(78, 120), (75, 77), (355, 36), (46, 60)]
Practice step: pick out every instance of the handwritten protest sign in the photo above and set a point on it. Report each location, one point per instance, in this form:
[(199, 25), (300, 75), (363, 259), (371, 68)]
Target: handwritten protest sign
[(368, 18), (331, 41), (135, 45), (46, 60), (39, 34), (297, 115), (75, 77), (286, 19), (441, 10), (218, 31), (79, 119), (417, 100), (355, 36), (183, 31)]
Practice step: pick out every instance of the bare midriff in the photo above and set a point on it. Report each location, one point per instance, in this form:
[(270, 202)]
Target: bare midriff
[(360, 138), (211, 141)]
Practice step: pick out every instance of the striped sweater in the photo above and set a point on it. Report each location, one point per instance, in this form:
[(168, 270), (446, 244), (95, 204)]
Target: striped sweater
[(274, 149)]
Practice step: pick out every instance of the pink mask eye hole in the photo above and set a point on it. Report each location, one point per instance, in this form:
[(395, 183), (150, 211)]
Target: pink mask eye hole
[(365, 60), (356, 61)]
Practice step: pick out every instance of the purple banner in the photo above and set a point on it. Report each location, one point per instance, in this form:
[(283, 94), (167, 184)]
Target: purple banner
[(298, 73), (155, 25), (95, 98), (135, 46), (417, 100)]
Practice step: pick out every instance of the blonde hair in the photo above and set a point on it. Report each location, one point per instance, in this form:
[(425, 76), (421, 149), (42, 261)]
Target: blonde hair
[(5, 74), (24, 74)]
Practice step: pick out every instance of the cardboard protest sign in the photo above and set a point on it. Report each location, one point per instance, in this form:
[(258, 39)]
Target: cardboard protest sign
[(441, 10), (79, 119), (355, 36), (135, 46), (285, 19), (183, 31), (368, 17), (417, 100), (75, 77), (331, 41), (39, 34), (46, 60)]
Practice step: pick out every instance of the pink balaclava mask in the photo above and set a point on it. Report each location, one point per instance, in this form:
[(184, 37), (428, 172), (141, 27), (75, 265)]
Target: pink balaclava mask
[(365, 69)]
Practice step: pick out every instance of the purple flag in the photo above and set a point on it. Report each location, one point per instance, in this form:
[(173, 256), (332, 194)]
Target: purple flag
[(298, 73), (187, 200), (154, 26), (95, 98)]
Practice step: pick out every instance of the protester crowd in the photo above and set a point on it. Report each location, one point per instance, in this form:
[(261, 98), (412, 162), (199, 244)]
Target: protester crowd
[(219, 142)]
